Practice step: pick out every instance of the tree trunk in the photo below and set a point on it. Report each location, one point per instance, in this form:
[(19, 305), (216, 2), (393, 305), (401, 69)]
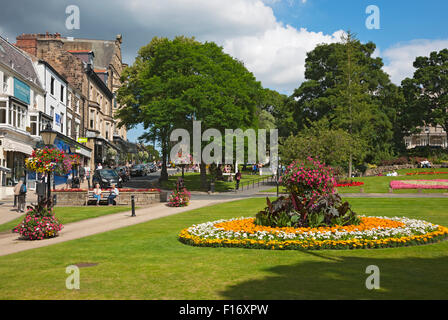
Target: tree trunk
[(203, 168), (164, 172), (350, 166)]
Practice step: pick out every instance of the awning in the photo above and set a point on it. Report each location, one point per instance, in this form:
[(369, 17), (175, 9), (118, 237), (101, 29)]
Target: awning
[(84, 152), (16, 146)]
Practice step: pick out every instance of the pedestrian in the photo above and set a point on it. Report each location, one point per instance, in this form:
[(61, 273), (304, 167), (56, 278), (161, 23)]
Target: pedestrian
[(97, 193), (68, 183), (99, 166), (113, 194), (238, 178), (82, 173), (20, 191)]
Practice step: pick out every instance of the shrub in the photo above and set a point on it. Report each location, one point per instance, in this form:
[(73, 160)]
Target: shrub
[(309, 179), (39, 223), (312, 201), (179, 198)]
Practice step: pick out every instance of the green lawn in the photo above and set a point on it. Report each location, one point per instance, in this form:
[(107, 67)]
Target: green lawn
[(146, 261), (72, 214), (193, 182), (380, 184)]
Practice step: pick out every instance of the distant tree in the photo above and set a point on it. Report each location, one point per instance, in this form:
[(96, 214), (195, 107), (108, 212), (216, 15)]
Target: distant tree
[(332, 146), (427, 91), (346, 86)]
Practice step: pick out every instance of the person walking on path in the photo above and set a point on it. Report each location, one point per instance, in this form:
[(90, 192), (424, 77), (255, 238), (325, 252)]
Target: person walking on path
[(113, 194), (97, 193), (20, 192), (238, 178)]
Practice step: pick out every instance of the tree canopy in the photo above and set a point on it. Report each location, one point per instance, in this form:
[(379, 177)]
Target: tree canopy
[(173, 82)]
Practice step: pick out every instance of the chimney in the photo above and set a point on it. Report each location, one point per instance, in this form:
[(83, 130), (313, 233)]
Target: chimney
[(28, 43)]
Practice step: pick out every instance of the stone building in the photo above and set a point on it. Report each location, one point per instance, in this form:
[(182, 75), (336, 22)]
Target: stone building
[(92, 90)]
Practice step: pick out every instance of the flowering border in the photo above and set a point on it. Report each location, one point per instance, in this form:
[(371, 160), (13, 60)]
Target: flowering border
[(406, 184), (409, 232), (425, 172), (349, 184)]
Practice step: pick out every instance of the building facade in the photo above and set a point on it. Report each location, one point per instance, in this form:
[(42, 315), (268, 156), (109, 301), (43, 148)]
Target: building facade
[(433, 136), (21, 101), (89, 95)]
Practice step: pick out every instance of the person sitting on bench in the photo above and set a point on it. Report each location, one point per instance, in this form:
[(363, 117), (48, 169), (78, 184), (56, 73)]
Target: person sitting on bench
[(97, 193), (113, 194)]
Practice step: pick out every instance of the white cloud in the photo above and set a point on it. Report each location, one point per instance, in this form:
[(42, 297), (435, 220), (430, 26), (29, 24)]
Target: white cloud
[(277, 57), (247, 29), (399, 58)]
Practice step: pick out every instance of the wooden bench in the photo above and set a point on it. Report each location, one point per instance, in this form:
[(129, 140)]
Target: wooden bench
[(104, 197)]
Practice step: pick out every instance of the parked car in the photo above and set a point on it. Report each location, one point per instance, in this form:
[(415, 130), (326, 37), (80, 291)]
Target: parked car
[(152, 167), (138, 170), (124, 173), (107, 177)]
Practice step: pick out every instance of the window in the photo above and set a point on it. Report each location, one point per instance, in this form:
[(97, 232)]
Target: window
[(5, 83), (17, 116), (51, 111), (77, 107), (107, 130), (69, 126), (62, 93), (62, 122), (3, 112), (69, 100), (92, 119), (76, 130), (52, 86), (33, 124)]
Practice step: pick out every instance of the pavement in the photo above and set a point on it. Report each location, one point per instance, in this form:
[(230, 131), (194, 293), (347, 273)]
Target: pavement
[(10, 243)]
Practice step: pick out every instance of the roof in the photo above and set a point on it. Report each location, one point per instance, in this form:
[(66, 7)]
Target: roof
[(18, 60), (103, 50)]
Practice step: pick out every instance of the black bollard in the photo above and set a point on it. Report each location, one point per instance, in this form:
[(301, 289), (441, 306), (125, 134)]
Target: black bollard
[(133, 206)]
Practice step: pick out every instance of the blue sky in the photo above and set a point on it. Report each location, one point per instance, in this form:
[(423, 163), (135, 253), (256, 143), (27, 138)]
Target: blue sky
[(272, 37)]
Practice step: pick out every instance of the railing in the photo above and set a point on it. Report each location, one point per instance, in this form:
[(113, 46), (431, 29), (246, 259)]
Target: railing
[(256, 182)]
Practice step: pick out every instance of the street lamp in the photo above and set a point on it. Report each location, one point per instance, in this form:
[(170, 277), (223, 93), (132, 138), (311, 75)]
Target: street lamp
[(48, 136)]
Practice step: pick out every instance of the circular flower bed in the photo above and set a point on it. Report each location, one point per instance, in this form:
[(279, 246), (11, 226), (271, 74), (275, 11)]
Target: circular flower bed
[(372, 232)]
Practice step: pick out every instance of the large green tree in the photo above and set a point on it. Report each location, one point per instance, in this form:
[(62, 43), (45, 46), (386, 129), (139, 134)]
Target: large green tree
[(346, 86), (427, 91), (174, 82)]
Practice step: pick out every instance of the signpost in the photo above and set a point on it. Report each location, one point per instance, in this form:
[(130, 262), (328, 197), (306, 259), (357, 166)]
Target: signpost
[(82, 140)]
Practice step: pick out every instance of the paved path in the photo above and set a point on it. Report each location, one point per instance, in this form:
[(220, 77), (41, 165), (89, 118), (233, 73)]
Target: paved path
[(9, 242)]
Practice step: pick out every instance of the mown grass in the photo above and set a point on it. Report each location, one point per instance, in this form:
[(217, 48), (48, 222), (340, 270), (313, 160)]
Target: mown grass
[(192, 181), (146, 261)]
